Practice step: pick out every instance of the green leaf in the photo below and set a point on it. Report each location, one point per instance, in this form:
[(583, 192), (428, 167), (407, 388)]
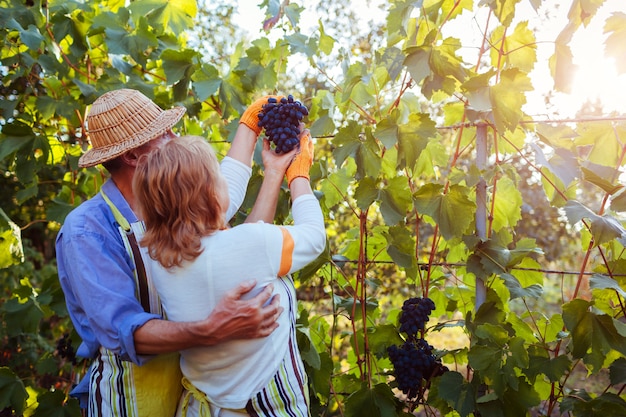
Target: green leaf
[(507, 98), (22, 317), (591, 332), (605, 229), (13, 394), (521, 399), (32, 38), (15, 136), (494, 257), (174, 15), (382, 337), (576, 211), (581, 11), (326, 43), (477, 90), (485, 358), (458, 393), (368, 159), (395, 200), (519, 49), (504, 10), (604, 142), (309, 354), (387, 132), (601, 176), (366, 192), (206, 81), (508, 210), (561, 63), (517, 291), (177, 64), (618, 201), (598, 281), (323, 125), (413, 138), (444, 61), (554, 368), (563, 164), (401, 246), (376, 402), (300, 43), (453, 212), (435, 154), (11, 248), (347, 141), (56, 404), (417, 62), (335, 187), (617, 371), (615, 26), (606, 405)]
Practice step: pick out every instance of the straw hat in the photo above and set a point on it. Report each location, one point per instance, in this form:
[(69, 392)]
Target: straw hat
[(121, 120)]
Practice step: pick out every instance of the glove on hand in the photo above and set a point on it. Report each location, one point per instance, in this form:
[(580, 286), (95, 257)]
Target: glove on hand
[(250, 117), (303, 160)]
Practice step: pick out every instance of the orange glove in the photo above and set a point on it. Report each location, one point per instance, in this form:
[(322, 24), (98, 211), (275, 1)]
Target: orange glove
[(303, 160), (250, 117)]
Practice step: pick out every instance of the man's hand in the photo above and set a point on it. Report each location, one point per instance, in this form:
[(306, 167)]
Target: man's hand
[(236, 318), (233, 318), (275, 164)]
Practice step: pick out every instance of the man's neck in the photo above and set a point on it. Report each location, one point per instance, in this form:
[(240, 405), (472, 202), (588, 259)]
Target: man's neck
[(123, 179)]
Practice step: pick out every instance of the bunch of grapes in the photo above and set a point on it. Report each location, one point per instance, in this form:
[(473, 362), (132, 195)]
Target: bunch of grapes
[(414, 362), (65, 348), (281, 119), (415, 314)]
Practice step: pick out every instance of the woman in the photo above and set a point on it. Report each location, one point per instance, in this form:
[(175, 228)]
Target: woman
[(182, 198)]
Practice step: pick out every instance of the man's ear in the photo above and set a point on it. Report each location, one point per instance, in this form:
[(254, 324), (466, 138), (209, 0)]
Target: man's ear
[(131, 157)]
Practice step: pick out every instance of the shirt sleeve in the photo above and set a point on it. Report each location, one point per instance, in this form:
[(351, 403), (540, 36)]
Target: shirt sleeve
[(237, 176), (306, 239), (97, 277)]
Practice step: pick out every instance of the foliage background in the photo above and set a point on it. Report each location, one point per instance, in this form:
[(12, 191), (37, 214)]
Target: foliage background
[(433, 179)]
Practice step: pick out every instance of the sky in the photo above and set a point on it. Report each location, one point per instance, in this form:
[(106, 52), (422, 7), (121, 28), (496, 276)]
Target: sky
[(596, 77)]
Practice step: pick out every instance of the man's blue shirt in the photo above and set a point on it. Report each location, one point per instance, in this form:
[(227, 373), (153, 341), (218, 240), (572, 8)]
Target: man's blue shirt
[(97, 277)]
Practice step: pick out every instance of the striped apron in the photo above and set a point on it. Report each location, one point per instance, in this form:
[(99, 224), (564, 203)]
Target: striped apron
[(121, 388), (286, 394)]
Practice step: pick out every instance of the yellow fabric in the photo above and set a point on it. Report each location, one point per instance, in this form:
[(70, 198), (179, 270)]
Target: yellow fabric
[(250, 117), (204, 406), (157, 386), (119, 218), (304, 159)]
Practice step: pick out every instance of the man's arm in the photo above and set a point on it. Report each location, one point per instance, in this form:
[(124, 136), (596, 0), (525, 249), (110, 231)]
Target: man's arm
[(233, 318)]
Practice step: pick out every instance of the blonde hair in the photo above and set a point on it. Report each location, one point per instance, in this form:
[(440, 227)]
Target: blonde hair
[(181, 196)]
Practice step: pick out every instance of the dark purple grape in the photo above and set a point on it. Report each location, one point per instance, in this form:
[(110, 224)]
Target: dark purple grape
[(281, 119)]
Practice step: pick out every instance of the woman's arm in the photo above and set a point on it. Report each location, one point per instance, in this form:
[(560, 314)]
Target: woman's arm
[(275, 165)]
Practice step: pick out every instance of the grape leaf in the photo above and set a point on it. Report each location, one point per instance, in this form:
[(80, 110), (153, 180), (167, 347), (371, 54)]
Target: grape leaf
[(615, 26), (13, 395), (453, 212)]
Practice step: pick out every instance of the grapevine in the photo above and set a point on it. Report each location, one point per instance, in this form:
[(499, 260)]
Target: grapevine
[(281, 120)]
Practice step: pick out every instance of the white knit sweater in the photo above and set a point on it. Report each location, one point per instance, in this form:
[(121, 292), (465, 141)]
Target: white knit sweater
[(232, 372)]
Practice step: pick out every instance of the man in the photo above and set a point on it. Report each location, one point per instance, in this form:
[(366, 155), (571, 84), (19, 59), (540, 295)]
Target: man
[(110, 301)]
